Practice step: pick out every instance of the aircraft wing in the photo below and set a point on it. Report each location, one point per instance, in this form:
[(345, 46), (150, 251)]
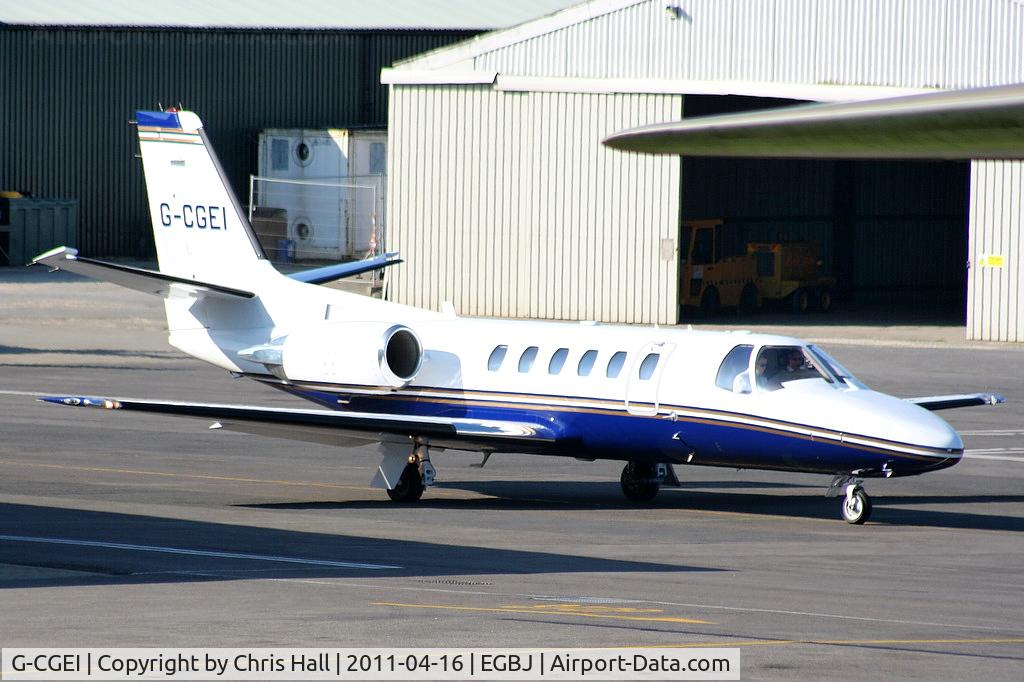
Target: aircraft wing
[(344, 428), (983, 123), (947, 402), (139, 279)]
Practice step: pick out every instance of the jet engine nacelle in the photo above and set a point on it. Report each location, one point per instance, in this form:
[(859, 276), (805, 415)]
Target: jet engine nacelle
[(377, 354)]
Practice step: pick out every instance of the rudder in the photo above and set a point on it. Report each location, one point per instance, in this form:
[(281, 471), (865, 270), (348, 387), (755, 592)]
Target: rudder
[(200, 230)]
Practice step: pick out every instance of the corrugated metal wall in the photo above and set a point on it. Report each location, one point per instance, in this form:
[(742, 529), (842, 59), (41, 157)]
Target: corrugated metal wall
[(995, 307), (507, 204), (911, 43), (903, 226), (67, 95)]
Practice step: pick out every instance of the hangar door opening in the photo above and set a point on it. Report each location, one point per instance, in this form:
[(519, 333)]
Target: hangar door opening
[(892, 234)]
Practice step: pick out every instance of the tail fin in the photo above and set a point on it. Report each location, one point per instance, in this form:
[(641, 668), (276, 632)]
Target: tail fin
[(199, 227)]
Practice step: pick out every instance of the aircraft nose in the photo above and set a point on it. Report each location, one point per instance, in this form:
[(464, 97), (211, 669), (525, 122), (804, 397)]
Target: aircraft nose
[(926, 429), (919, 432)]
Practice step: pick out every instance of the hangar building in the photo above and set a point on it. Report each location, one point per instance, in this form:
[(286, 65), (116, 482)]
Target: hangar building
[(504, 202), (75, 72)]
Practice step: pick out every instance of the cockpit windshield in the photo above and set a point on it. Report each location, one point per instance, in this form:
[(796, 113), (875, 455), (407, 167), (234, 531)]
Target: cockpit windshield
[(776, 366), (842, 374)]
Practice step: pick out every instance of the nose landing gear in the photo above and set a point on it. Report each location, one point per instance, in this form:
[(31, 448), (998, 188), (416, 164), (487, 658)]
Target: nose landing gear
[(856, 505)]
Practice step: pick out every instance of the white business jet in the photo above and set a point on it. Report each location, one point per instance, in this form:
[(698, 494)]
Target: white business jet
[(412, 380)]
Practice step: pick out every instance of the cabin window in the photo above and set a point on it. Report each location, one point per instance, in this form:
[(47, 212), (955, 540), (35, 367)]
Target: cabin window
[(776, 366), (615, 364), (586, 363), (557, 360), (497, 357), (648, 366), (733, 374), (527, 358)]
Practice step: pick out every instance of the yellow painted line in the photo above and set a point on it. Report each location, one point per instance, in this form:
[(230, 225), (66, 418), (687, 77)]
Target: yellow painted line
[(837, 642), (547, 610)]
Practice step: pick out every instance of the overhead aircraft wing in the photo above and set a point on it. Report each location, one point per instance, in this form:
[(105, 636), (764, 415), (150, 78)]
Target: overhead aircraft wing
[(983, 123), (947, 402), (139, 279), (344, 428)]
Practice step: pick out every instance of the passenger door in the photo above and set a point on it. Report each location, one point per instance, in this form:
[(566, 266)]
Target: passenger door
[(644, 380)]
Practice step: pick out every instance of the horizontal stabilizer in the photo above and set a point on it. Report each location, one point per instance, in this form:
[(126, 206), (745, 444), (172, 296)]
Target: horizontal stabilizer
[(139, 279), (342, 428), (331, 273), (948, 402)]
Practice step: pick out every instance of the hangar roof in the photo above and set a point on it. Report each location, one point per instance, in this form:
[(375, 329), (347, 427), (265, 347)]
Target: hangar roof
[(805, 50), (304, 14)]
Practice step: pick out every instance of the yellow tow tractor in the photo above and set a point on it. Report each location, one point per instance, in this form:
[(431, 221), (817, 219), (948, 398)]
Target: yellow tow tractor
[(718, 271)]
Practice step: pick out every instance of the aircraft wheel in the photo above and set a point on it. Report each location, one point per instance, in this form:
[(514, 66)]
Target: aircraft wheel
[(639, 482), (709, 301), (410, 486), (825, 300), (748, 298), (856, 508), (801, 301)]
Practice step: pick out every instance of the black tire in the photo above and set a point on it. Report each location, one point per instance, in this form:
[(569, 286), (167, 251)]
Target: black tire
[(410, 485), (825, 300), (710, 302), (856, 509), (638, 484), (801, 301), (748, 298)]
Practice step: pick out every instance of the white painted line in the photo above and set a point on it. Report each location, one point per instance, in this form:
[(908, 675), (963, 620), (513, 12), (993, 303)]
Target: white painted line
[(1006, 458), (994, 432), (194, 552)]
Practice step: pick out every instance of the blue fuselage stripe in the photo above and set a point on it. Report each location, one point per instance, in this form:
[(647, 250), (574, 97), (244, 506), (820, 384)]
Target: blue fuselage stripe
[(616, 434)]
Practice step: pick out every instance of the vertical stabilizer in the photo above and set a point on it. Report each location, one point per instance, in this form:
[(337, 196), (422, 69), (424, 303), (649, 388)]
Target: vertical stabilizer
[(200, 229)]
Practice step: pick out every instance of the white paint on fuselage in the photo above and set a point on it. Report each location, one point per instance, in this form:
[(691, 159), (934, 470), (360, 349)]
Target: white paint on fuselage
[(457, 352)]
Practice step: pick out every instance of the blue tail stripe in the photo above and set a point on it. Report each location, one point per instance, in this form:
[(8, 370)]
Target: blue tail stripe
[(158, 119)]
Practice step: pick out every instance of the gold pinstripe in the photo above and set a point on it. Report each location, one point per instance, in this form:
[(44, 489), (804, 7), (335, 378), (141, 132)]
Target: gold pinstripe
[(459, 397)]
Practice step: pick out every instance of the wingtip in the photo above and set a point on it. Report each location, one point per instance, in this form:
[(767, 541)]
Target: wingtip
[(81, 401)]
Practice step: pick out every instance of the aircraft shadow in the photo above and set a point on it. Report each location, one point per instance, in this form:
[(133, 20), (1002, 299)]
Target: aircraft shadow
[(695, 496), (104, 352), (154, 549)]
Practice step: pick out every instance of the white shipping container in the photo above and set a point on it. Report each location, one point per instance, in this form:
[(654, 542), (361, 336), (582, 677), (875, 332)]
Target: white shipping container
[(338, 215)]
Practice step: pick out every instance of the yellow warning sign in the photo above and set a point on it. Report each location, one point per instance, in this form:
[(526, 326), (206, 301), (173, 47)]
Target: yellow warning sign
[(991, 260)]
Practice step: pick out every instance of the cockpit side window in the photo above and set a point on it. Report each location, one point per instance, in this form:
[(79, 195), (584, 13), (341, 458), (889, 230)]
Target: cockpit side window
[(778, 365), (733, 370)]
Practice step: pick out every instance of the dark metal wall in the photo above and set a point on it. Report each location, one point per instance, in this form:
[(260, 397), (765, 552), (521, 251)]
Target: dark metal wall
[(66, 96), (893, 227)]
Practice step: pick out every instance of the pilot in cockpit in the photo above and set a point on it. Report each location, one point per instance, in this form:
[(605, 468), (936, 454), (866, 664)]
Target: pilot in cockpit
[(794, 361), (761, 371)]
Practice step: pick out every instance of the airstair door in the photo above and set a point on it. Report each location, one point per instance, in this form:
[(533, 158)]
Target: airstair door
[(645, 374)]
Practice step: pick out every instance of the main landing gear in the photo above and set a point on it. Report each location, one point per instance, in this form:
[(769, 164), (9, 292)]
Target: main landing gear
[(642, 480), (403, 474), (856, 505)]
